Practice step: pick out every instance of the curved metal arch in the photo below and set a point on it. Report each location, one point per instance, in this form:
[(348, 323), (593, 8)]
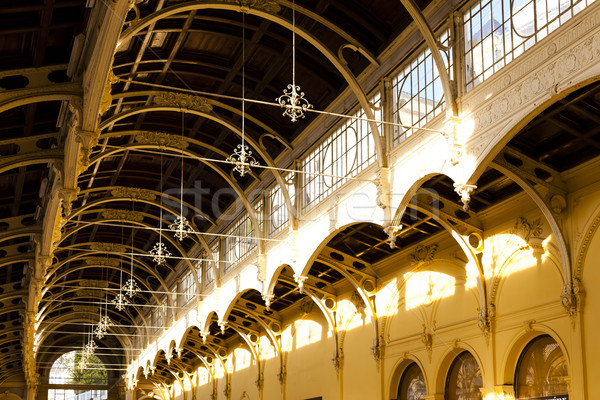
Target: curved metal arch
[(263, 154), (468, 250), (46, 332), (50, 93), (42, 157), (91, 253), (205, 324), (369, 304), (10, 373), (6, 296), (57, 277), (82, 320), (9, 309), (49, 304), (251, 211), (154, 192), (298, 8), (19, 258), (6, 340), (214, 103), (166, 237), (202, 241), (232, 304), (199, 143), (176, 377), (252, 347), (539, 201), (19, 232), (340, 65), (434, 47), (88, 208)]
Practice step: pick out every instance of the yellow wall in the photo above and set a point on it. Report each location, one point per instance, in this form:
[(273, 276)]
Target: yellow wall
[(524, 286)]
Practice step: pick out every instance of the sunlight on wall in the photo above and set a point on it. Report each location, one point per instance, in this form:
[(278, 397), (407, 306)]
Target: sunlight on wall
[(242, 359), (307, 332), (187, 384), (472, 275), (266, 351), (503, 249), (387, 299), (425, 287), (287, 339), (229, 363), (219, 371), (203, 376), (348, 316)]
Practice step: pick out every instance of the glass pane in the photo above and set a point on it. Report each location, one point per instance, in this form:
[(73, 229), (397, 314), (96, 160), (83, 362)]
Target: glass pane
[(499, 34), (412, 384), (464, 379), (542, 370)]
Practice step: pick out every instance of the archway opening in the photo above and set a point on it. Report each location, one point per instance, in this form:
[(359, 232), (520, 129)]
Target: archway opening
[(74, 376), (464, 380), (542, 370), (412, 384)]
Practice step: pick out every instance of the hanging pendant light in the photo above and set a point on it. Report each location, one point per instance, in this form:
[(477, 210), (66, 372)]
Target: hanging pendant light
[(181, 226), (120, 301), (131, 287), (159, 252), (104, 322), (88, 349), (292, 98), (102, 327), (242, 156)]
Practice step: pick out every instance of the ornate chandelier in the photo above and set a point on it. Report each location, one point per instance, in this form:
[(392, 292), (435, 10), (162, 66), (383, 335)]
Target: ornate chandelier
[(159, 252), (242, 156), (102, 327), (292, 98), (131, 287), (120, 302), (181, 226)]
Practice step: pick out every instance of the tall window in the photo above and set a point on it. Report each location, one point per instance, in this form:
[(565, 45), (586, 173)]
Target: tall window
[(66, 371), (187, 288), (498, 31), (464, 380), (345, 152), (417, 93), (239, 242), (412, 384), (279, 212), (542, 370)]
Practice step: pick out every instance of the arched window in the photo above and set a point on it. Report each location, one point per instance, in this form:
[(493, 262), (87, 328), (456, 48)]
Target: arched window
[(412, 384), (464, 380), (542, 369), (70, 370)]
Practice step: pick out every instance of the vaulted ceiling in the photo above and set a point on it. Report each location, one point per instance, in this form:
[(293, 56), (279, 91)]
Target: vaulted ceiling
[(214, 49)]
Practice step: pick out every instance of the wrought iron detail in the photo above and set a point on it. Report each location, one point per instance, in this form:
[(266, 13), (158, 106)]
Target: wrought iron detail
[(130, 288), (294, 102), (243, 159), (181, 227), (160, 253), (182, 100), (102, 327), (120, 302)]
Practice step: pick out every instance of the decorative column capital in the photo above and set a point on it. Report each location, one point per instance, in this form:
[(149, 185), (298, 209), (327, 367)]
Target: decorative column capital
[(300, 281), (465, 190), (268, 298)]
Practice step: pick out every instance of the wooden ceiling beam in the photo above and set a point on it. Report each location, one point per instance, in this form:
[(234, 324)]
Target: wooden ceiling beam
[(45, 21)]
